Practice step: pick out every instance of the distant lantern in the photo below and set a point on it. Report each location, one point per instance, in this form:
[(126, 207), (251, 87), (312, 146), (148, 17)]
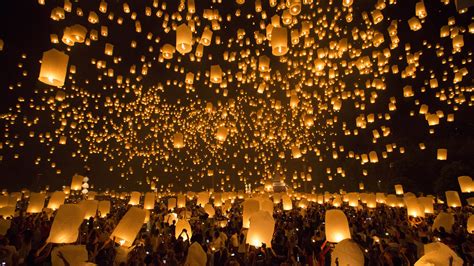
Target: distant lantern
[(216, 74), (103, 208), (206, 37), (184, 39), (36, 203), (420, 10), (347, 252), (221, 133), (134, 198), (210, 211), (109, 49), (1, 45), (89, 208), (427, 204), (353, 199), (66, 223), (373, 158), (167, 51), (189, 78), (442, 154), (171, 203), (56, 200), (347, 3), (452, 199), (261, 228), (53, 68), (466, 184), (414, 208), (279, 41), (371, 201), (182, 225), (202, 198), (149, 202), (250, 206), (128, 228), (287, 202), (399, 189), (337, 226), (414, 24), (263, 63), (178, 140), (181, 201), (295, 152), (78, 33), (191, 7), (294, 6)]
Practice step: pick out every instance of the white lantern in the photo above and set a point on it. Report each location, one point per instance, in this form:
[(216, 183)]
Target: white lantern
[(453, 199), (279, 41), (438, 254), (73, 254), (250, 206), (128, 228), (336, 226), (66, 223), (414, 208), (134, 198), (470, 224), (76, 183), (53, 68), (57, 199), (287, 203), (103, 208), (209, 210), (466, 184), (202, 198), (89, 208), (347, 252), (181, 201), (149, 202), (261, 229), (445, 220), (399, 189), (184, 39), (36, 203), (180, 225)]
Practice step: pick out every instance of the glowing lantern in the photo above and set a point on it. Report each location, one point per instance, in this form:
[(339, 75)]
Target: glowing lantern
[(264, 63), (399, 189), (427, 204), (438, 254), (184, 39), (470, 224), (414, 24), (109, 49), (279, 41), (353, 199), (261, 229), (65, 228), (178, 140), (76, 183), (56, 200), (452, 199), (347, 252), (89, 208), (167, 51), (209, 210), (149, 202), (287, 203), (337, 226), (266, 205), (181, 201), (442, 154), (221, 133), (347, 3), (78, 33), (414, 208), (250, 206), (216, 74), (36, 203), (206, 37), (371, 200), (202, 198), (134, 198), (180, 225), (420, 10), (73, 254), (295, 152), (128, 228), (445, 220), (466, 184), (294, 6), (103, 208), (7, 211), (53, 68), (1, 45)]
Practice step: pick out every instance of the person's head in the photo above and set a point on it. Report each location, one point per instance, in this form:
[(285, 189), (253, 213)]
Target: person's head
[(196, 238)]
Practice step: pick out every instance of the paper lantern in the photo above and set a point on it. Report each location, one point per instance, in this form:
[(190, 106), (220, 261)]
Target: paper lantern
[(371, 200), (170, 218), (128, 228), (250, 206), (414, 208), (276, 198), (184, 39), (414, 24), (216, 74), (36, 203), (452, 198), (287, 203), (266, 205), (470, 224), (149, 202), (53, 68), (1, 45), (399, 189), (196, 255), (427, 204), (279, 41), (178, 140), (134, 198), (78, 33), (89, 207), (336, 226), (445, 220), (206, 37), (103, 208), (221, 133), (56, 200), (295, 152), (209, 210), (420, 10), (347, 252), (66, 223), (167, 51), (3, 201), (7, 211), (294, 7), (73, 254), (202, 198), (466, 184), (261, 227), (263, 63), (438, 254), (76, 183), (347, 3), (181, 201), (442, 154), (171, 203), (353, 199), (180, 225)]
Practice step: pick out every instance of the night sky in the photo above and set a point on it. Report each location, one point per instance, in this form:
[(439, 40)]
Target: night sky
[(122, 136)]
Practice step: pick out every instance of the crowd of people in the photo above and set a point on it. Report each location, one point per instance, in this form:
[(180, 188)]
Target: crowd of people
[(384, 234)]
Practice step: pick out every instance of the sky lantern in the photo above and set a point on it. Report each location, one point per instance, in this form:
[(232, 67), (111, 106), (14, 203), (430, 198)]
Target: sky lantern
[(66, 223), (445, 220), (261, 228), (53, 68), (347, 252), (466, 184), (149, 202), (134, 198), (438, 254), (250, 206), (171, 203), (36, 203), (294, 6), (56, 200), (399, 189), (206, 37), (181, 225), (167, 51), (216, 74), (209, 209), (452, 199), (184, 39), (470, 224), (442, 154), (336, 226), (89, 208), (279, 41), (287, 202), (127, 229), (221, 133), (202, 198), (178, 140), (181, 201), (414, 208), (103, 208), (427, 204)]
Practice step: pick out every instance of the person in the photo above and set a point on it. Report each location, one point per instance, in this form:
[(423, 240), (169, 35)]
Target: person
[(8, 253), (196, 254)]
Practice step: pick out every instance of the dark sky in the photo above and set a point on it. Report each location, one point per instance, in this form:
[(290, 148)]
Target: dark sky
[(26, 27)]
